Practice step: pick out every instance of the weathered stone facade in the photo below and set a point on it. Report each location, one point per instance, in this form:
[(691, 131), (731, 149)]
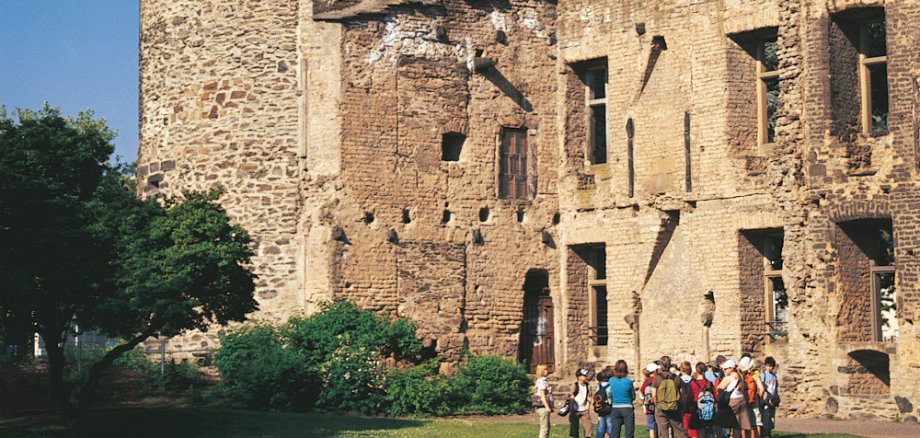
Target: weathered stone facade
[(365, 144)]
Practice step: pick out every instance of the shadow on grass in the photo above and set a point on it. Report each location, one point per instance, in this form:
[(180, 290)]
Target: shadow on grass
[(206, 422)]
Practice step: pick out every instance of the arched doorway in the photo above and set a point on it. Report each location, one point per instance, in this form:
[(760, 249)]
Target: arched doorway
[(537, 328)]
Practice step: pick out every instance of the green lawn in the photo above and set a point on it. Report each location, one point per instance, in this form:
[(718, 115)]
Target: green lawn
[(228, 423)]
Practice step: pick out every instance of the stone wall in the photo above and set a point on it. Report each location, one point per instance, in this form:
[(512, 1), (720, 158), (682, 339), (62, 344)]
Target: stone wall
[(327, 130)]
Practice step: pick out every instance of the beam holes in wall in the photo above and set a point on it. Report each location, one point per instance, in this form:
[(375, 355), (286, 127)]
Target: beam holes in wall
[(520, 216), (406, 216), (368, 218), (556, 218), (445, 217), (484, 214), (451, 146)]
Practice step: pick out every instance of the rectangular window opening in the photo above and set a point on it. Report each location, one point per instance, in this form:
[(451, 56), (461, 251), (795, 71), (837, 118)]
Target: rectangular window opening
[(865, 250), (767, 89), (594, 75), (596, 256)]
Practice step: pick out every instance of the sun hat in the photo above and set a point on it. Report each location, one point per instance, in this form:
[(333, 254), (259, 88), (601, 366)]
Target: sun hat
[(745, 363), (728, 364), (652, 367)]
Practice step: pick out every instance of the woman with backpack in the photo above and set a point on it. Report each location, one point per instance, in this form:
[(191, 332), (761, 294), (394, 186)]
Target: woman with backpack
[(602, 397), (732, 396), (623, 394), (703, 395)]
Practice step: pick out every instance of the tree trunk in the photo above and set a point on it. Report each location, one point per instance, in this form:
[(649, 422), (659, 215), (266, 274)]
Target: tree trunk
[(84, 398), (56, 389)]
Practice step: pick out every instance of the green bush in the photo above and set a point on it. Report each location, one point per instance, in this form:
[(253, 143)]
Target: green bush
[(492, 385), (352, 381), (343, 323), (419, 390), (259, 371)]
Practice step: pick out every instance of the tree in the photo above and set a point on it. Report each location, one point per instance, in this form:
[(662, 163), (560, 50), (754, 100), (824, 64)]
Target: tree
[(77, 246)]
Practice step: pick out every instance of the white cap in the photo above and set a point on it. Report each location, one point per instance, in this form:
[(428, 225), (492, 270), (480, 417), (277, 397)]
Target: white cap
[(651, 368), (745, 363), (728, 364)]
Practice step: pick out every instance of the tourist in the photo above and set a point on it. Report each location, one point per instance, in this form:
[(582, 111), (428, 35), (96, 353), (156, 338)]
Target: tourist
[(543, 400), (753, 388), (770, 399), (733, 383), (666, 395), (703, 395), (650, 372), (582, 412), (623, 394), (603, 419), (687, 402), (715, 369)]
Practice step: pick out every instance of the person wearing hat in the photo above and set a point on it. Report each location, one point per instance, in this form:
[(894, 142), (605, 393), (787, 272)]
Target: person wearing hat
[(733, 383), (650, 372), (715, 369), (582, 413)]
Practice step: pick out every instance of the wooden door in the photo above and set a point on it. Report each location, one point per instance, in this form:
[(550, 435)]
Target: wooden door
[(537, 337)]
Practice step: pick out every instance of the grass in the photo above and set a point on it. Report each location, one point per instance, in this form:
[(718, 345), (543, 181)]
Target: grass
[(230, 423)]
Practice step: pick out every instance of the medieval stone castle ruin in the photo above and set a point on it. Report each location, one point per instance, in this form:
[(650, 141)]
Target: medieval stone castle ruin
[(568, 182)]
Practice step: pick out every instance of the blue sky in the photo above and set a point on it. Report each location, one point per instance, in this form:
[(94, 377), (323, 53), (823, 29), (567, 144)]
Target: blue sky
[(76, 55)]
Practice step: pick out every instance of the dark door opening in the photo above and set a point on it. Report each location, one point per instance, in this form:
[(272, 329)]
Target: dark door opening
[(537, 339)]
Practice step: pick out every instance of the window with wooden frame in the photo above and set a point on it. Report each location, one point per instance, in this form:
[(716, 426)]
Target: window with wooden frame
[(512, 164), (865, 252), (873, 77), (767, 89), (881, 274), (597, 289), (594, 75), (774, 289)]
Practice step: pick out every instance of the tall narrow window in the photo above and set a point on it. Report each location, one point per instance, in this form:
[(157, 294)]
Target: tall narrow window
[(865, 250), (882, 276), (873, 77), (513, 164), (595, 78), (767, 89), (775, 289), (597, 285)]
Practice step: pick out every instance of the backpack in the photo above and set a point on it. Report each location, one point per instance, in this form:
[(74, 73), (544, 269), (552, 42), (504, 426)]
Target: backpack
[(706, 404), (647, 396), (601, 402), (668, 395), (750, 388), (687, 403)]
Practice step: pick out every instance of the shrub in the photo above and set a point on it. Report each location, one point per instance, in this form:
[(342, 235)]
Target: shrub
[(418, 391), (352, 380), (259, 371), (343, 323), (492, 385)]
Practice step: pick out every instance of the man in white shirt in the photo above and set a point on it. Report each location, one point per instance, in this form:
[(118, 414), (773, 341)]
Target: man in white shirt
[(583, 401)]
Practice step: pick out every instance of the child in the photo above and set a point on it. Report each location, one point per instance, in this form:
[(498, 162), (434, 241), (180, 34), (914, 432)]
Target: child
[(770, 396)]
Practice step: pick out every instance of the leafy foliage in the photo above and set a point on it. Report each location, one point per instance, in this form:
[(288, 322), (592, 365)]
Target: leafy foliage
[(260, 371), (419, 390), (492, 385), (338, 355), (79, 247)]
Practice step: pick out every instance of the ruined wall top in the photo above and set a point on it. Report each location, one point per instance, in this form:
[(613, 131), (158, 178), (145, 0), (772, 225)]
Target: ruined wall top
[(342, 9)]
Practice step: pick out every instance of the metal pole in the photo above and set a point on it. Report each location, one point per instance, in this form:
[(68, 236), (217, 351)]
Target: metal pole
[(162, 356)]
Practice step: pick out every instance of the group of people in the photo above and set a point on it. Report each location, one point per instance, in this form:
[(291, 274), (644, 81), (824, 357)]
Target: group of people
[(720, 399)]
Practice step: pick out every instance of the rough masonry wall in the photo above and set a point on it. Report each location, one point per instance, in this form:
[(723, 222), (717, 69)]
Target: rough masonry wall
[(408, 78), (219, 109)]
